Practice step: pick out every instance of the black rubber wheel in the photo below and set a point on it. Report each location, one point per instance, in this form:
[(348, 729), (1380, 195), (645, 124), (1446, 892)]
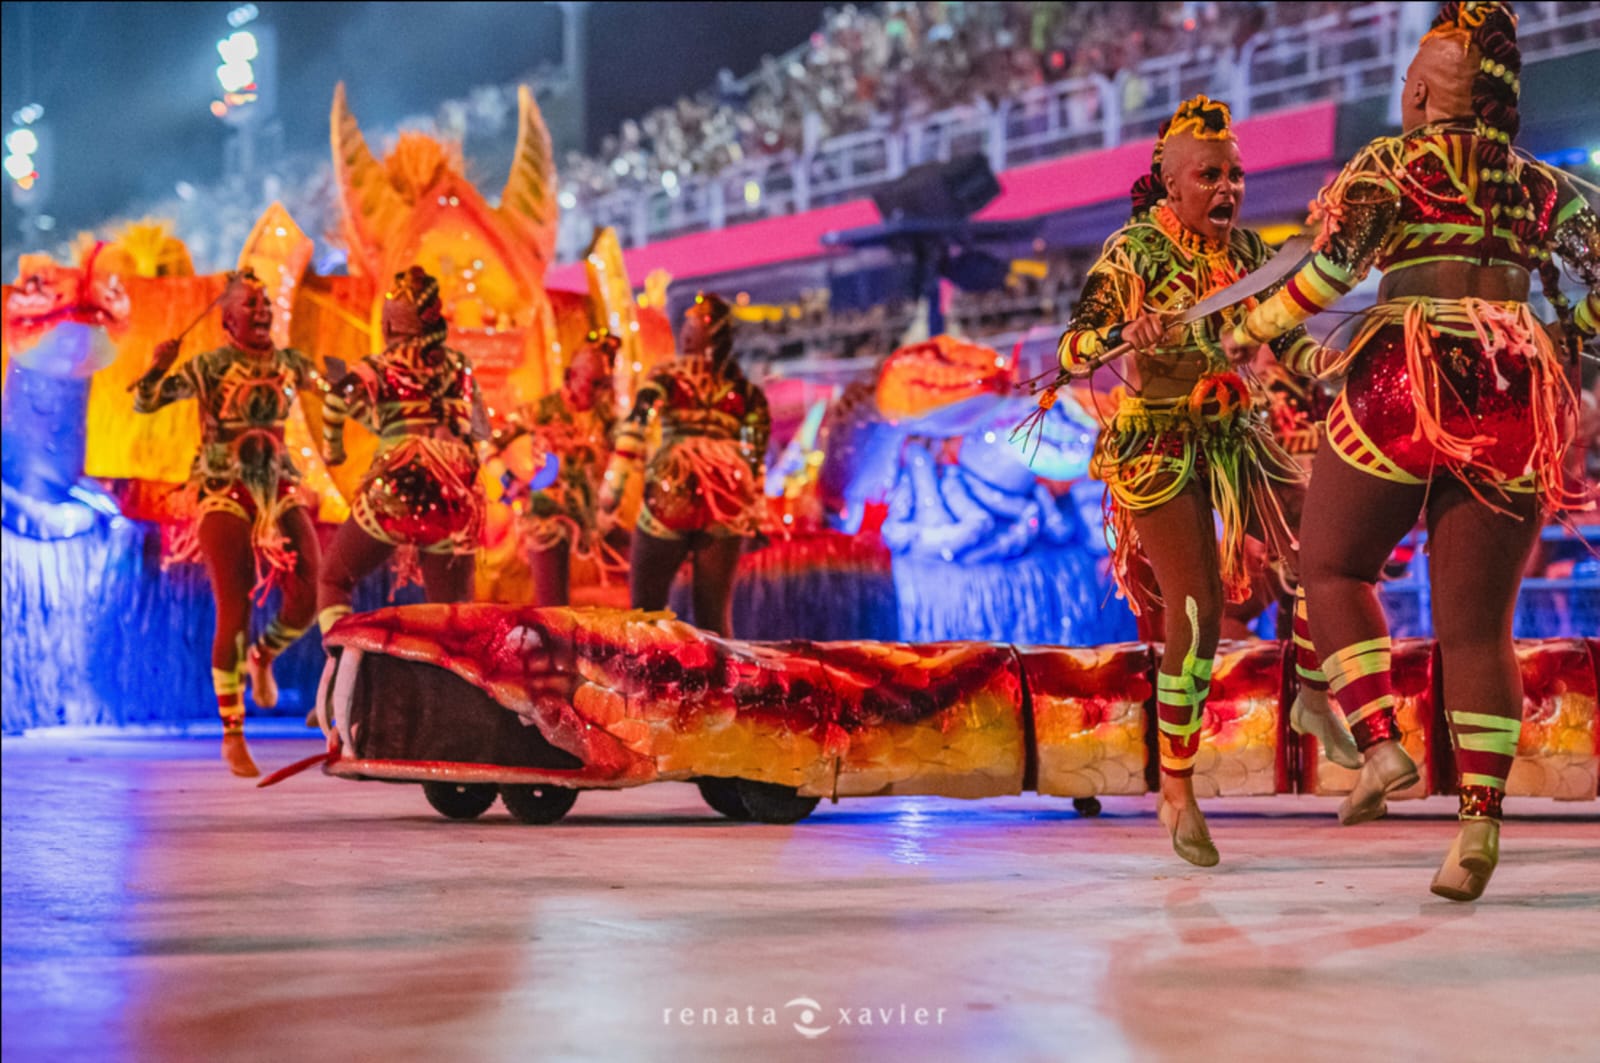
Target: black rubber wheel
[(768, 802), (537, 803), (723, 796), (460, 800), (1086, 806)]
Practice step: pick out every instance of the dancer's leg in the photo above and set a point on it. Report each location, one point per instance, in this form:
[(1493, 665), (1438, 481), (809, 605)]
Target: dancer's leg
[(230, 564), (299, 605), (552, 574), (448, 577), (1179, 541), (715, 562), (653, 565), (1353, 521), (1477, 560), (352, 554)]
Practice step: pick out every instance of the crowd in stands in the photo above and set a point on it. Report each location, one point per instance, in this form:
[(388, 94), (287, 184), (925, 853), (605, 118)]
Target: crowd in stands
[(1036, 291), (881, 66)]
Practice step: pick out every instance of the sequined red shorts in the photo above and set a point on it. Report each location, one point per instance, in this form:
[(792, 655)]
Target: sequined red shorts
[(423, 492), (1487, 403)]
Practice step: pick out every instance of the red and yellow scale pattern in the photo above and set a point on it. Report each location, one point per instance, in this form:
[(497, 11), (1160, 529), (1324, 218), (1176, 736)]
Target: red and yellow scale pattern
[(641, 697)]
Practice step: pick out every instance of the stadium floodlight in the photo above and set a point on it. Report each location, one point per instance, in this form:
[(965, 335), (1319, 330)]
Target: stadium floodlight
[(22, 142)]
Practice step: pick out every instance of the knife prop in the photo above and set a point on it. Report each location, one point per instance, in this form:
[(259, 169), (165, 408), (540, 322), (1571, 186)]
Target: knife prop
[(188, 329), (1290, 257)]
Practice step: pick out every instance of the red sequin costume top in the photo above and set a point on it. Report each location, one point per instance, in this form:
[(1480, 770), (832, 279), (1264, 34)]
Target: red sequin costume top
[(1464, 387), (1219, 433), (243, 466), (423, 403), (706, 474)]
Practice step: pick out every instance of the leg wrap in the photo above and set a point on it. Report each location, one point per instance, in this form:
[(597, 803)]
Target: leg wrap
[(1179, 701), (1485, 748), (277, 637), (1307, 665), (330, 616), (229, 685), (1358, 676)]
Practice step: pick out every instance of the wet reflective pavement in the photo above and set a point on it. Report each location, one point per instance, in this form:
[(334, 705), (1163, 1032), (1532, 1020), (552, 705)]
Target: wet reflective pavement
[(157, 908)]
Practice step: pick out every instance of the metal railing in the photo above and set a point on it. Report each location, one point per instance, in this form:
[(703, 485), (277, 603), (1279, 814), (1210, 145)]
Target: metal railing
[(1352, 54)]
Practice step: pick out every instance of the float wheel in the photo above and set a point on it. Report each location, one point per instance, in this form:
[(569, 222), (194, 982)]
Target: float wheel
[(537, 803), (723, 797), (1088, 807), (459, 800), (768, 802)]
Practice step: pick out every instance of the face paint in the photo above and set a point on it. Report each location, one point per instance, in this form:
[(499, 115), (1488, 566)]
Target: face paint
[(247, 316), (1205, 184)]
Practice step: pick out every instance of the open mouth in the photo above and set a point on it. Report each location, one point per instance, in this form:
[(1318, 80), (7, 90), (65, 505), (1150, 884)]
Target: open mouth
[(1221, 214)]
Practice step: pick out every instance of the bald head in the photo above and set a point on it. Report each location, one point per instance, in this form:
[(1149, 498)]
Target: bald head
[(1204, 179), (1439, 81)]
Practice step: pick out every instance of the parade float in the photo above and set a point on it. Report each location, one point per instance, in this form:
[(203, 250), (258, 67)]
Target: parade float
[(530, 705), (961, 571)]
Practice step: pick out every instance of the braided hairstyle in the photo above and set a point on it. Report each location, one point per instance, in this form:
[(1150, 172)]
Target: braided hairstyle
[(1201, 116), (1488, 32)]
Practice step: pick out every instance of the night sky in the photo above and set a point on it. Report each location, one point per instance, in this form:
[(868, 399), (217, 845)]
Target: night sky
[(126, 86)]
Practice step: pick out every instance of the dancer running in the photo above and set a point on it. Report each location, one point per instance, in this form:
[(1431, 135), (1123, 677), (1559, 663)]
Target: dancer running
[(246, 510), (1456, 406), (702, 488), (421, 493), (1190, 438)]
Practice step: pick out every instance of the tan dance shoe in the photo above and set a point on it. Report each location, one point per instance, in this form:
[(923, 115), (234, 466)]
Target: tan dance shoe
[(1190, 837), (1471, 860), (1388, 768), (1312, 714)]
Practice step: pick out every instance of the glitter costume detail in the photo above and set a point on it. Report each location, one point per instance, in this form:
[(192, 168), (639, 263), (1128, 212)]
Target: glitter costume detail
[(243, 466), (1220, 433), (1464, 387), (706, 475), (422, 401)]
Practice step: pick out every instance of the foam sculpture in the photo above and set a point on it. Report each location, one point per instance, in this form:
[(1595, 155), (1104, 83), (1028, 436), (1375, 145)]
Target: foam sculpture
[(536, 704)]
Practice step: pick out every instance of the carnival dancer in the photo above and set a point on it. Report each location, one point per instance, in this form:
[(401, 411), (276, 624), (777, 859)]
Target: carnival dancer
[(421, 494), (572, 429), (702, 487), (1190, 437), (245, 511), (1455, 406)]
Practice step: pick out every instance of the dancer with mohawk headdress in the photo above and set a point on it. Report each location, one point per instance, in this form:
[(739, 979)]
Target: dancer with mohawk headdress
[(702, 486), (1456, 405), (421, 494), (1190, 437)]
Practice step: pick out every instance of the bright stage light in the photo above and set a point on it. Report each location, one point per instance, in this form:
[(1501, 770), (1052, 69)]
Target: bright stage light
[(752, 193), (235, 76), (1594, 157), (22, 141), (19, 167), (238, 47)]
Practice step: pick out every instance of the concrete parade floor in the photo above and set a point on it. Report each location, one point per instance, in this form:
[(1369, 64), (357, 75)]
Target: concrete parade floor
[(157, 908)]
